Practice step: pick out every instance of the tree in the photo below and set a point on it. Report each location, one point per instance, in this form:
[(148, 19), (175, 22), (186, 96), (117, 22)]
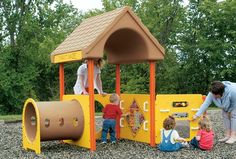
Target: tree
[(206, 44), (30, 30)]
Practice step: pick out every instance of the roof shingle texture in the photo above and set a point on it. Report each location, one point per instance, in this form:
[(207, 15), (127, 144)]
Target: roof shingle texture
[(87, 32)]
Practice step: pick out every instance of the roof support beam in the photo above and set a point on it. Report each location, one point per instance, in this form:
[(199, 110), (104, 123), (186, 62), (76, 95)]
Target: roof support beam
[(61, 80), (152, 103), (118, 92), (91, 104)]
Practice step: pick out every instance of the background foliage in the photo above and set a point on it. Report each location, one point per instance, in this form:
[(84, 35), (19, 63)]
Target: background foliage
[(199, 38)]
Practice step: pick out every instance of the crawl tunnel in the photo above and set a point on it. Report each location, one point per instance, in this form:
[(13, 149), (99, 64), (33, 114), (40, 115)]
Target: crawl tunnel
[(55, 120)]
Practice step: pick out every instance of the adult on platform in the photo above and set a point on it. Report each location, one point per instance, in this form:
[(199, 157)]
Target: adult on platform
[(81, 85)]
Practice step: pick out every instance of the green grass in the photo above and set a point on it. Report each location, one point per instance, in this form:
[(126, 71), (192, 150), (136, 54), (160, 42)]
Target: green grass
[(10, 117), (98, 113)]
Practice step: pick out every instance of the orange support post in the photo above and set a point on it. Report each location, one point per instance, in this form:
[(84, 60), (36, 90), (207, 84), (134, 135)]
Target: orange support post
[(152, 103), (118, 92), (61, 80), (91, 104), (118, 79)]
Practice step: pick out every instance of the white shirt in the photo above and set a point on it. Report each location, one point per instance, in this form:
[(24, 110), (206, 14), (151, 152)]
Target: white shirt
[(83, 71), (174, 136)]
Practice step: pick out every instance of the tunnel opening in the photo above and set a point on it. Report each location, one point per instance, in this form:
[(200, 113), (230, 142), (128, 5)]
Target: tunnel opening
[(30, 122), (125, 46)]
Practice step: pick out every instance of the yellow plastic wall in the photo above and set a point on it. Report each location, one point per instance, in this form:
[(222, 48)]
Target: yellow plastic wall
[(84, 141), (164, 108), (126, 100), (125, 132)]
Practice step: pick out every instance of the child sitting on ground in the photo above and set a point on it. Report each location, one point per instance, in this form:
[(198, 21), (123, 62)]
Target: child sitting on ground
[(110, 114), (170, 139), (204, 139)]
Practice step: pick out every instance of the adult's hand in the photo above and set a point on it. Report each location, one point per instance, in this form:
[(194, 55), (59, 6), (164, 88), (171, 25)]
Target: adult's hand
[(85, 92), (103, 94), (194, 117)]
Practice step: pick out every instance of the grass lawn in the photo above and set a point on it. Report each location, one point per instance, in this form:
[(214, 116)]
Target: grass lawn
[(98, 113), (10, 117)]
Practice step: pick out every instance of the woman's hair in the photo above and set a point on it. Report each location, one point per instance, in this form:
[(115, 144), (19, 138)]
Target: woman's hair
[(217, 88), (99, 63), (169, 123), (114, 98), (205, 124)]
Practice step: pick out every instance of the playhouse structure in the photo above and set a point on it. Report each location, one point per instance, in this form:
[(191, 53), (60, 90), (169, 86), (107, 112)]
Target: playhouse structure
[(125, 40)]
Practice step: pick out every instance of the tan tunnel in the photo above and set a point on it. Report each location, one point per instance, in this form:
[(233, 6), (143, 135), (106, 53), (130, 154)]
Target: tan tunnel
[(59, 120)]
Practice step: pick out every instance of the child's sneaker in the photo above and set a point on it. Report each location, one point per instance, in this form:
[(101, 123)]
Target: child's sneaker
[(113, 142), (104, 142)]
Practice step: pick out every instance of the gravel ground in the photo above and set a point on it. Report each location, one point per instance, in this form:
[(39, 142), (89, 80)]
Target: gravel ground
[(11, 147)]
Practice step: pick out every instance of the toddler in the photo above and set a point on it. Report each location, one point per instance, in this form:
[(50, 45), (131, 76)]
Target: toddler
[(170, 139), (110, 114), (204, 139)]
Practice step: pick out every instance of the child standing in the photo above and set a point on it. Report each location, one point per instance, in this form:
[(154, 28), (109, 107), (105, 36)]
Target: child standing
[(170, 139), (110, 114), (205, 136)]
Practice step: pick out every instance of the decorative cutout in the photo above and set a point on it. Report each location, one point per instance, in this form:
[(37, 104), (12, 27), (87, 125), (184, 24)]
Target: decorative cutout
[(183, 128), (61, 121), (47, 123), (135, 118), (33, 120), (180, 115), (75, 122), (180, 104)]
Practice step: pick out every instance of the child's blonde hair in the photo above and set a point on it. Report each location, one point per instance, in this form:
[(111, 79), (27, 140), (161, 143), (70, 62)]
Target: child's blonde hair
[(169, 123), (114, 98), (205, 124)]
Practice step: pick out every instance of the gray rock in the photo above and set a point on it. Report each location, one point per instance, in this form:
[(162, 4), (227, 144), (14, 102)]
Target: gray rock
[(11, 147)]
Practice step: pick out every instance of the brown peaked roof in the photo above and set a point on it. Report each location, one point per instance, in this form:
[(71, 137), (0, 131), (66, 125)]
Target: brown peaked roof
[(91, 32), (87, 32)]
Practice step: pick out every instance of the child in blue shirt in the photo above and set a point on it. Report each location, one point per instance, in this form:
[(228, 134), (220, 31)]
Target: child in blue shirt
[(170, 139)]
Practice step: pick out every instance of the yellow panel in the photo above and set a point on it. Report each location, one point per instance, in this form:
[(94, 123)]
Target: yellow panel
[(84, 141), (102, 99), (143, 103), (68, 57), (27, 144), (164, 108)]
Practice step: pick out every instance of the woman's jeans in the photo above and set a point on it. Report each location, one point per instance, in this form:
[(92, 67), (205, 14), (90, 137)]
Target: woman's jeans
[(229, 119), (109, 125)]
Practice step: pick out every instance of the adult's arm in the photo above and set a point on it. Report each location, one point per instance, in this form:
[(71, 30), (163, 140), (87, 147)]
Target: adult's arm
[(176, 137), (226, 104), (205, 104)]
